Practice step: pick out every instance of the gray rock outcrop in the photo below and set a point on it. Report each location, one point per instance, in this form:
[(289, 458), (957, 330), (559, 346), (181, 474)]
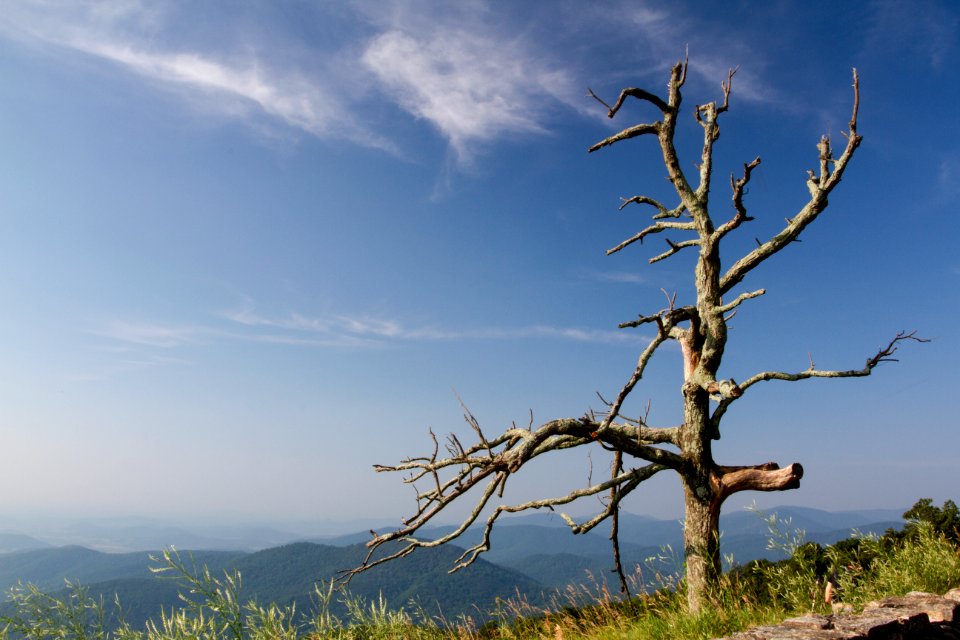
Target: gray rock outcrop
[(915, 616)]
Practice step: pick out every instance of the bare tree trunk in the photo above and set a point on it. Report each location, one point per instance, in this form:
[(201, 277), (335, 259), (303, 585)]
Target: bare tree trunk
[(701, 542), (701, 535)]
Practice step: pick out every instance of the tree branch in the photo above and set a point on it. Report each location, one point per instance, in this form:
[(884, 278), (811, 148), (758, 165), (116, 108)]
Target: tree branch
[(690, 200), (663, 212), (489, 463), (615, 497), (674, 248), (707, 115), (666, 317), (762, 477), (820, 187), (723, 388), (626, 134), (884, 354), (663, 333), (738, 187), (740, 299), (654, 228), (632, 92), (630, 479), (626, 482)]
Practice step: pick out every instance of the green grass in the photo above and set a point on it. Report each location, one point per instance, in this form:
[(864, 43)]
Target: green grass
[(924, 557)]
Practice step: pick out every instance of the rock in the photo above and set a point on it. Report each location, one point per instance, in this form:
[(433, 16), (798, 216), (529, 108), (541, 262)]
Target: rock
[(882, 623), (781, 632), (937, 608), (809, 622), (915, 616)]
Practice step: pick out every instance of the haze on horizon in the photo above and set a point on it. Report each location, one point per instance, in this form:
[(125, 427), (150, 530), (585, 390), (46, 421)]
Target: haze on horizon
[(249, 250)]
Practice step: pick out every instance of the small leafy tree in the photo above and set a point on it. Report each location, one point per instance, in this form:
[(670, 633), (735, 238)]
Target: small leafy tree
[(642, 450), (943, 521)]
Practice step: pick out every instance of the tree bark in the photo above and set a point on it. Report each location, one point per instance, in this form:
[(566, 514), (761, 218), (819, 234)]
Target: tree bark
[(701, 541), (702, 498)]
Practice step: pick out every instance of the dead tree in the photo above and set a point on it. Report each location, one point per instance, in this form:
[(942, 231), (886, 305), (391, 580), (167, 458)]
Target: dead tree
[(700, 328)]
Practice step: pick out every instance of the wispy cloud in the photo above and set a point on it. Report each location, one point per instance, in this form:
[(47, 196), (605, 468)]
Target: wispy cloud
[(297, 101), (474, 85), (478, 74), (895, 28), (655, 36), (474, 80), (365, 331), (621, 276), (131, 340), (235, 79), (149, 334), (948, 176)]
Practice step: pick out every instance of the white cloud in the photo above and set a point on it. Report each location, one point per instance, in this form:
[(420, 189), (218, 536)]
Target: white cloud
[(622, 276), (473, 80), (149, 334), (333, 330), (295, 104), (139, 345), (471, 87), (366, 330), (478, 73), (209, 74)]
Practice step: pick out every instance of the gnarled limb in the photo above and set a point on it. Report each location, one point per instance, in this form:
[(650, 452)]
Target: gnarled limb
[(762, 477), (665, 317), (666, 328), (884, 354), (662, 211), (820, 187), (664, 130), (707, 117), (654, 228), (622, 483), (615, 497), (674, 248), (633, 92), (738, 186), (489, 464), (740, 299), (626, 134), (723, 388)]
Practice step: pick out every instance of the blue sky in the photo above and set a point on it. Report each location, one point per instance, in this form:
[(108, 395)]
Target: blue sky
[(251, 249)]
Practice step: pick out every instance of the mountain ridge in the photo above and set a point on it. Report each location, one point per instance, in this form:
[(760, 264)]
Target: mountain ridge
[(530, 556)]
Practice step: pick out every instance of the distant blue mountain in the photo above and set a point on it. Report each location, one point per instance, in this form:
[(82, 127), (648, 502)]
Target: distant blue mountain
[(12, 541), (48, 568), (541, 545), (281, 575), (534, 555)]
